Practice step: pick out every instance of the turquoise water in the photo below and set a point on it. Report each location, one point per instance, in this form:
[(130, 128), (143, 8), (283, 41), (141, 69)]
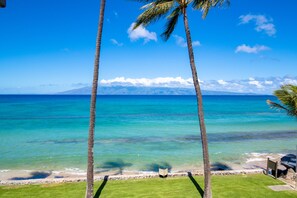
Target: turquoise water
[(50, 132)]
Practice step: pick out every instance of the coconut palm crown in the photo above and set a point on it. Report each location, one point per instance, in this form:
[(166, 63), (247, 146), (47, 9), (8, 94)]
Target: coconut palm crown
[(172, 9), (287, 95)]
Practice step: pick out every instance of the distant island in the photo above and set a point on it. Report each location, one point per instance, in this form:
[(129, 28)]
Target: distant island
[(133, 90)]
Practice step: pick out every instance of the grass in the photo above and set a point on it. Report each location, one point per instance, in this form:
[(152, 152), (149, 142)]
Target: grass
[(223, 186)]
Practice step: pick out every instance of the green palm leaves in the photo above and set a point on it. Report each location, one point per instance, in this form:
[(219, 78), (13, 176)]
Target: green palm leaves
[(153, 11), (171, 23), (205, 5), (287, 95), (172, 9)]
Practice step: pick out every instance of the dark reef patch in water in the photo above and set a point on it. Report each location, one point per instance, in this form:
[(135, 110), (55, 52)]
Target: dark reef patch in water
[(65, 141), (44, 118), (212, 137), (244, 136)]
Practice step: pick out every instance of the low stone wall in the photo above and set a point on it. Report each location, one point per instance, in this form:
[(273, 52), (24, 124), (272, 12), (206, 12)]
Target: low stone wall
[(125, 177)]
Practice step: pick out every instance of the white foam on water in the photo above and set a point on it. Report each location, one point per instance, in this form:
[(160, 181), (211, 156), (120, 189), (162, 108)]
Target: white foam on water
[(258, 157), (75, 171), (254, 160)]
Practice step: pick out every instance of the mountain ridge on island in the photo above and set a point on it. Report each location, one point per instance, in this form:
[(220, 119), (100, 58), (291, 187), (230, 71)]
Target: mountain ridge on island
[(133, 90)]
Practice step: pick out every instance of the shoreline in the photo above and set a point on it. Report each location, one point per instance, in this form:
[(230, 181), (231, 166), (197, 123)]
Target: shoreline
[(253, 165), (123, 177)]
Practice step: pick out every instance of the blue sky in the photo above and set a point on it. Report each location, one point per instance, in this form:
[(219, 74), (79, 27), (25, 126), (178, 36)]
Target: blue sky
[(48, 46)]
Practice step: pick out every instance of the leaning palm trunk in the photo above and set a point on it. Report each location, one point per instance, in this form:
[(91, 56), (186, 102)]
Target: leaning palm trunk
[(90, 169), (207, 173)]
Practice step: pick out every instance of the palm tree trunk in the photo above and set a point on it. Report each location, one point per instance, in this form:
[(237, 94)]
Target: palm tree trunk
[(90, 169), (207, 173)]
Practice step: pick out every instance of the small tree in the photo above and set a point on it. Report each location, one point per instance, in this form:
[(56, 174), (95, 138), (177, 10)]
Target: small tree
[(287, 95)]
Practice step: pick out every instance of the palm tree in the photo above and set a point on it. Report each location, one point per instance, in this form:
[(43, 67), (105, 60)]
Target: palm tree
[(156, 9), (90, 168), (287, 95)]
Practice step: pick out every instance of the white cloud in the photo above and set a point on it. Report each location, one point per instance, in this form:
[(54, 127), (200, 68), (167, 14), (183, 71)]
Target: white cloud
[(115, 42), (261, 23), (196, 43), (256, 83), (268, 82), (180, 41), (149, 82), (141, 33), (289, 81), (250, 85), (268, 28), (248, 49), (222, 82)]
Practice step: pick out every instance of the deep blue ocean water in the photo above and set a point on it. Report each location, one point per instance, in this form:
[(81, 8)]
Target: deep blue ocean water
[(49, 132)]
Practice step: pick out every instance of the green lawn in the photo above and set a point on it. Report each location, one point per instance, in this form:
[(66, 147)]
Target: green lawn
[(223, 186)]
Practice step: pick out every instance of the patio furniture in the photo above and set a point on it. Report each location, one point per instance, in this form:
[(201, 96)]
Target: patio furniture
[(289, 161), (271, 168)]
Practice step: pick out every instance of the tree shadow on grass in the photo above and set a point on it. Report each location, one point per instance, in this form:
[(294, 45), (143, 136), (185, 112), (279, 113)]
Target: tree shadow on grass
[(34, 175), (117, 164), (201, 192), (99, 191)]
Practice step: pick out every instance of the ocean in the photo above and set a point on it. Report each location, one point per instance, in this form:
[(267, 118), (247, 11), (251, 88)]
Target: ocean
[(138, 133)]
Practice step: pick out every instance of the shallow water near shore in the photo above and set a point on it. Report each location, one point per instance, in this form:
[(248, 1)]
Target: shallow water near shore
[(138, 133)]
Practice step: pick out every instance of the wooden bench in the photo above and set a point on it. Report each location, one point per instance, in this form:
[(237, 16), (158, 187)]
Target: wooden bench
[(271, 168)]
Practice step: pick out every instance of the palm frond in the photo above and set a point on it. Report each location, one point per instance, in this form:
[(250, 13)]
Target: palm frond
[(287, 95), (221, 2), (275, 105), (154, 11), (172, 20), (143, 1), (205, 5)]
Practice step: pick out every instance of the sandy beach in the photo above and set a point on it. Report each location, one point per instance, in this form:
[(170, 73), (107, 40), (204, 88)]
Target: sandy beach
[(254, 165)]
